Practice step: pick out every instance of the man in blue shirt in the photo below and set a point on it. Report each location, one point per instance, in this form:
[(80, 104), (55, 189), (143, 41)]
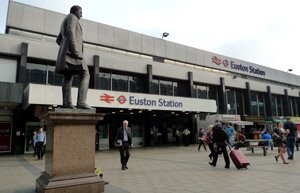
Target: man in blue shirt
[(230, 133), (40, 143), (266, 135), (290, 128), (125, 140)]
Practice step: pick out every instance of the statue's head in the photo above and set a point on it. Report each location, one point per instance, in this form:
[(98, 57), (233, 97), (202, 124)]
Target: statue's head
[(76, 10)]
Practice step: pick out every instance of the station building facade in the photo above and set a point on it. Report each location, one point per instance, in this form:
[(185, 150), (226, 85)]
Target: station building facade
[(157, 85)]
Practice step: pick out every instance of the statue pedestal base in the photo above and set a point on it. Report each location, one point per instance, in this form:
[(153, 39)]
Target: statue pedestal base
[(69, 184), (70, 157)]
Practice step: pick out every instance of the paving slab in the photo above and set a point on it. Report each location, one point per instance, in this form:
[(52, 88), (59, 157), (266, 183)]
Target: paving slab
[(167, 170)]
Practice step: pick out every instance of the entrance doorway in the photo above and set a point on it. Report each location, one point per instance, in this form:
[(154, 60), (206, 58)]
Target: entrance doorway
[(30, 128)]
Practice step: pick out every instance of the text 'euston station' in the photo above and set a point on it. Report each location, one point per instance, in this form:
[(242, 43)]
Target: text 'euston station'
[(244, 68), (159, 102)]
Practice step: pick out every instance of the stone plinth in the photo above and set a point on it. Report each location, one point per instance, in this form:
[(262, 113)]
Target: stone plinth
[(70, 157)]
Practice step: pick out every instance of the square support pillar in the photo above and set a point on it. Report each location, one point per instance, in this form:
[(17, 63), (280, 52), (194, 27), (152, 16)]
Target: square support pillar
[(70, 157)]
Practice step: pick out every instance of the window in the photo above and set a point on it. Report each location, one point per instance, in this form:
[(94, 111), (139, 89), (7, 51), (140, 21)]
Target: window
[(231, 105), (254, 103), (175, 88), (136, 84), (194, 91), (294, 109), (273, 106), (119, 82), (8, 70), (166, 87), (279, 105), (155, 87), (36, 73), (213, 94), (202, 92), (239, 102), (105, 81), (54, 78), (261, 104)]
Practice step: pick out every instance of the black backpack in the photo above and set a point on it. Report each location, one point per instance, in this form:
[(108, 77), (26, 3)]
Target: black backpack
[(220, 133)]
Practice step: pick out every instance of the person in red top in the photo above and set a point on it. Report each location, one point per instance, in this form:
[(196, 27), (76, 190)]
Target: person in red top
[(241, 141)]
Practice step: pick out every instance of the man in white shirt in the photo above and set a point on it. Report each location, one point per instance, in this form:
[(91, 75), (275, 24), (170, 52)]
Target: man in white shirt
[(124, 135)]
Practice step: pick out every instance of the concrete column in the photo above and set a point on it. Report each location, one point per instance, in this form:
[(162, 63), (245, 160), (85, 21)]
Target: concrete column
[(247, 99), (190, 84), (95, 81), (21, 72), (149, 78), (268, 102), (222, 97), (286, 104)]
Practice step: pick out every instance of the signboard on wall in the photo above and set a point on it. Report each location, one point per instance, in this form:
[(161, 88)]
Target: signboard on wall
[(5, 137), (112, 99), (52, 95)]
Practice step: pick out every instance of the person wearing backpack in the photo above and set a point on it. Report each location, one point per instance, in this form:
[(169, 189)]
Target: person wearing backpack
[(220, 142)]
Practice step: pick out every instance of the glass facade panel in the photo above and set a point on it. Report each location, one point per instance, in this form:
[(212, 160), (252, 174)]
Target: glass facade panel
[(294, 107), (175, 88), (119, 82), (213, 94), (36, 73), (279, 105), (231, 107), (180, 88), (166, 87), (105, 81), (273, 104), (202, 92), (261, 104), (155, 87), (239, 102), (54, 78), (194, 91), (254, 105), (136, 84)]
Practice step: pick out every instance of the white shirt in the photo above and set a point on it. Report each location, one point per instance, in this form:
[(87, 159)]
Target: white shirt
[(125, 134)]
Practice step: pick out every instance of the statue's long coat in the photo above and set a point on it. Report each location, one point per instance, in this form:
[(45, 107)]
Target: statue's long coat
[(71, 44)]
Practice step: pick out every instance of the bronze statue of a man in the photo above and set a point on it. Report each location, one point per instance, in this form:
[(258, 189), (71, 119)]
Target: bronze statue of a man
[(70, 59)]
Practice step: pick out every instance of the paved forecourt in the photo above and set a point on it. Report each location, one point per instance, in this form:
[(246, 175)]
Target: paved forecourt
[(167, 169)]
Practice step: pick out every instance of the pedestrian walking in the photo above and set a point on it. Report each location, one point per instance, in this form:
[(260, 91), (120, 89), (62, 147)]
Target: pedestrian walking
[(279, 139), (209, 141), (291, 130), (40, 143), (201, 139), (34, 143), (220, 142), (125, 141)]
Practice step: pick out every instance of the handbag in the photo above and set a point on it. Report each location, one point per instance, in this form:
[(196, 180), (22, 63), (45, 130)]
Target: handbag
[(118, 143)]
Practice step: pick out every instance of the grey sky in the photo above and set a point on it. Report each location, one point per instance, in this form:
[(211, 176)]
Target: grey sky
[(265, 32)]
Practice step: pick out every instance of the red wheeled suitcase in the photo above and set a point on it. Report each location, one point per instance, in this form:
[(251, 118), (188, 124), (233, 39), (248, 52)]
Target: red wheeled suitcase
[(239, 159)]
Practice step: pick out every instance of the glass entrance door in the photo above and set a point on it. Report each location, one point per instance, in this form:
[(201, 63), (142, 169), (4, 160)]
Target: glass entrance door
[(5, 137), (103, 134), (30, 128)]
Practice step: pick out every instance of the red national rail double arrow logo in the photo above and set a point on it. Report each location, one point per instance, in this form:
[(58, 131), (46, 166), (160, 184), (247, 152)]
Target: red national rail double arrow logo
[(107, 98)]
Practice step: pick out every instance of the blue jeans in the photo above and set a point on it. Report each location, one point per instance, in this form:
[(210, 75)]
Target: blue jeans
[(290, 144)]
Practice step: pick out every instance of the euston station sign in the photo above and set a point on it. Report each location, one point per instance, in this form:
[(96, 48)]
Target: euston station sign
[(114, 99), (240, 67)]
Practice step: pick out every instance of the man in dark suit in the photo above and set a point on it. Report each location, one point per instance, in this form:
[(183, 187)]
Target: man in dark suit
[(70, 59), (125, 140), (220, 142)]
